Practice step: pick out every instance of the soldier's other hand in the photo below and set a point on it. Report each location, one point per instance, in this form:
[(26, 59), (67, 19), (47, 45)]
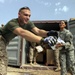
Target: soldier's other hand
[(51, 40), (52, 33), (59, 45)]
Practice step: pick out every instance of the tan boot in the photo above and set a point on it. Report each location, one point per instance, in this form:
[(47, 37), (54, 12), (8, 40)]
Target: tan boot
[(35, 63), (57, 69), (31, 63)]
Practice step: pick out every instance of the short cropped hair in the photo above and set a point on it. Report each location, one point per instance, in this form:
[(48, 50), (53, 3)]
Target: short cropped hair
[(24, 8)]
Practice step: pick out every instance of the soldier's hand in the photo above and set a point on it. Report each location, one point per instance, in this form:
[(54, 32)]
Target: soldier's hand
[(52, 33), (59, 45)]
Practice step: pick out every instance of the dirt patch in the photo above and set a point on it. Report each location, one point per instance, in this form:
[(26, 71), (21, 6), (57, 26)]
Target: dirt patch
[(23, 71)]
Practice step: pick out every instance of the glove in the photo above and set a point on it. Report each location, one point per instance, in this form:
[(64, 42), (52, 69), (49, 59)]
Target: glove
[(50, 41), (52, 33)]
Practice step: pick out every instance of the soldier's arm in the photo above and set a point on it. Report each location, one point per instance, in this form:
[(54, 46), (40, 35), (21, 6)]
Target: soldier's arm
[(68, 40), (40, 32), (27, 35)]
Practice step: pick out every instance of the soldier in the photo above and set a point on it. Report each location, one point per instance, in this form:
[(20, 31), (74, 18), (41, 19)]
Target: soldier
[(67, 51), (21, 26), (34, 51), (33, 54)]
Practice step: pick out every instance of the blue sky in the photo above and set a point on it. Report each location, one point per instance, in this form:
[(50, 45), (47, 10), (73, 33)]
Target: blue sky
[(40, 9)]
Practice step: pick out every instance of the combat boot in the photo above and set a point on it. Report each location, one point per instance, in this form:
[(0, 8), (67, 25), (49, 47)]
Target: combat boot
[(57, 69)]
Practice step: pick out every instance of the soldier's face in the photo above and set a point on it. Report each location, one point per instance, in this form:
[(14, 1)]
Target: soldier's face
[(24, 16), (62, 25)]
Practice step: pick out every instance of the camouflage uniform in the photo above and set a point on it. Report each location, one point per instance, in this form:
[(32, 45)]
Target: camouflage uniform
[(6, 32), (3, 57), (57, 61), (33, 53), (67, 53)]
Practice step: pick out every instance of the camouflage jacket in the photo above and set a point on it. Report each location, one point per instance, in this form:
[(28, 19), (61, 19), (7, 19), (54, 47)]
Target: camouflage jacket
[(67, 36)]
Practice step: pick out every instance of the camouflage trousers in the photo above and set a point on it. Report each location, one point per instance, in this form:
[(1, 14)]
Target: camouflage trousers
[(56, 56), (67, 62), (32, 54), (3, 57)]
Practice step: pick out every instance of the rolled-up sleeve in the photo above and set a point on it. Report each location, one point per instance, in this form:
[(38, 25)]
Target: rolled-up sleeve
[(12, 26)]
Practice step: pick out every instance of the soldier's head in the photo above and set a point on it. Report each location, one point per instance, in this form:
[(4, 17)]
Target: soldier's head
[(24, 15), (62, 25)]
